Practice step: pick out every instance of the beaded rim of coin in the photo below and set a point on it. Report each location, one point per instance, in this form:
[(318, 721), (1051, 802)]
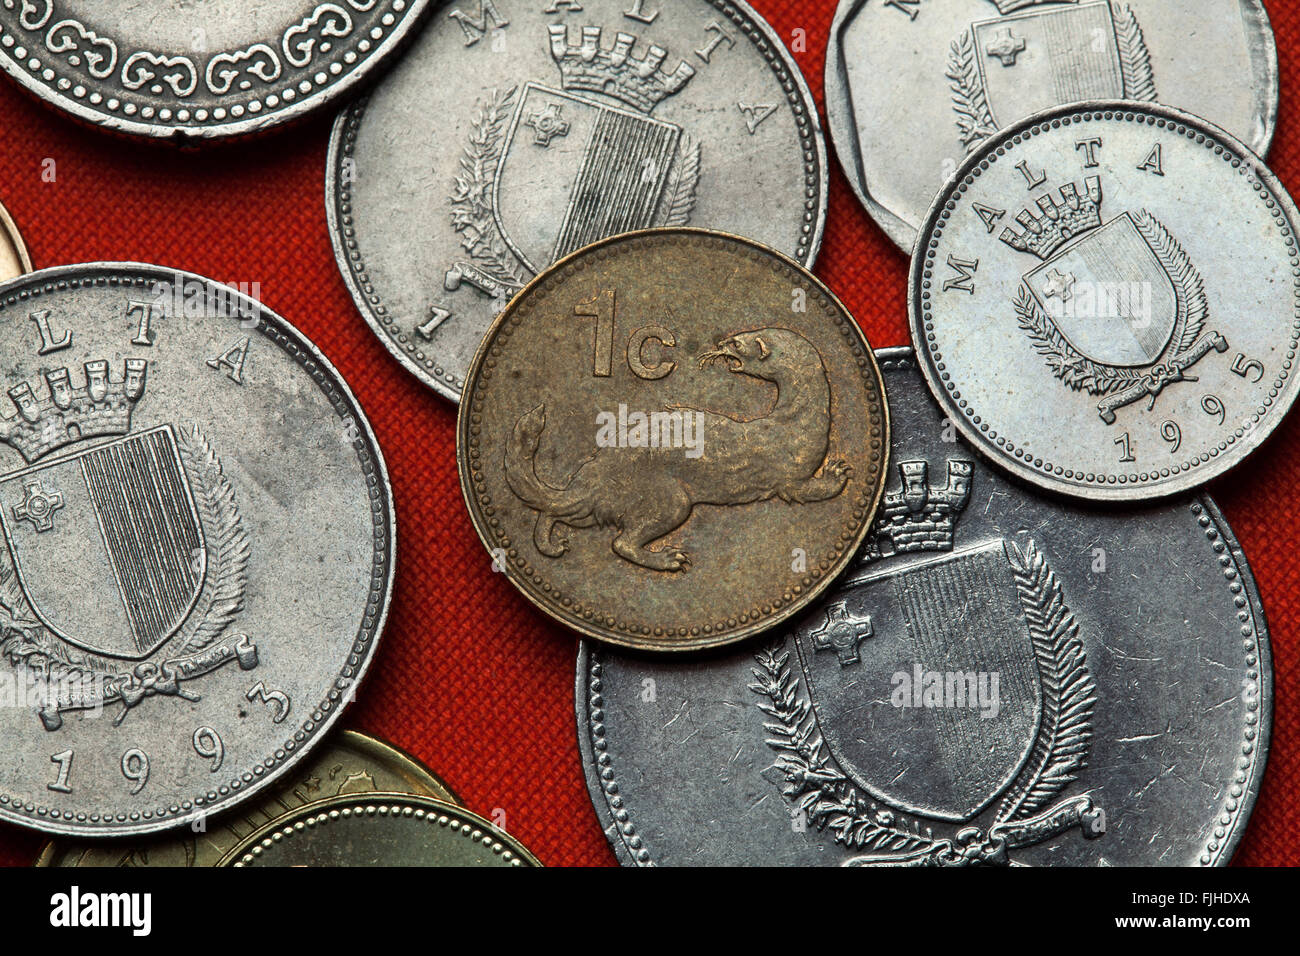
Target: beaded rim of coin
[(423, 366), (122, 102), (725, 632), (298, 743), (398, 762), (1237, 805), (1137, 486), (434, 812), (844, 133), (402, 764)]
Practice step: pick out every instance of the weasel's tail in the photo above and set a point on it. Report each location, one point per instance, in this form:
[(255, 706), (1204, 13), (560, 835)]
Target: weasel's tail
[(521, 470)]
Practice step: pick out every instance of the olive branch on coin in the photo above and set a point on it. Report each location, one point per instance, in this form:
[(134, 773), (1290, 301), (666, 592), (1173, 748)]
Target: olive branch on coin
[(215, 498), (975, 121), (472, 215), (826, 796), (1134, 57)]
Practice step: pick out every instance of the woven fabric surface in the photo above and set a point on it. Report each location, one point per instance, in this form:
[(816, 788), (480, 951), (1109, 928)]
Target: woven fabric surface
[(469, 677)]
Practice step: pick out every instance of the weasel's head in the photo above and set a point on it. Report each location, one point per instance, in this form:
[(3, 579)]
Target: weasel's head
[(762, 353)]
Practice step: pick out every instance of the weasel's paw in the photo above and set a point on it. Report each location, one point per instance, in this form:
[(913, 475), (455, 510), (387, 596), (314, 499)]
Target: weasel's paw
[(839, 468), (554, 549), (669, 560)]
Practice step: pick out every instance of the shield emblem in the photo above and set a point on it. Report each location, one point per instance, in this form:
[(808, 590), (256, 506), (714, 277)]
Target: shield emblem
[(107, 544), (1109, 295), (954, 615), (574, 171), (1043, 58)]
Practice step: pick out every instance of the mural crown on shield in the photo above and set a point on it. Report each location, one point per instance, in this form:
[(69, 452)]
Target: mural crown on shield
[(100, 408), (638, 82), (1059, 222)]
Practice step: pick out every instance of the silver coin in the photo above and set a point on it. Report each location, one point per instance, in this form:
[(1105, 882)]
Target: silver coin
[(199, 548), (1001, 678), (912, 87), (514, 134), (1106, 301), (193, 72)]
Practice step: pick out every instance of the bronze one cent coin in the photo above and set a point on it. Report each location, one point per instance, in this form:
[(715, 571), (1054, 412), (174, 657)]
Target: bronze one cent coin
[(673, 439)]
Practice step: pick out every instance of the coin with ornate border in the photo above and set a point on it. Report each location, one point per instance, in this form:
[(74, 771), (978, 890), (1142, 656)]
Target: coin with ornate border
[(14, 260), (351, 763), (381, 829), (198, 549), (195, 72), (1105, 301), (514, 134), (912, 88), (1001, 678), (673, 439)]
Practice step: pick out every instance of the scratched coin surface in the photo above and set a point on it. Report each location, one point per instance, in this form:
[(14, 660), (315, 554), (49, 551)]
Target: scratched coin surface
[(350, 764), (382, 829), (198, 548), (14, 260), (673, 439), (195, 71), (913, 87), (1107, 302), (518, 131), (1000, 678)]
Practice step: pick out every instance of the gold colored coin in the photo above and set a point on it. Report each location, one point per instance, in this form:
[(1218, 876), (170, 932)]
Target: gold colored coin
[(350, 765), (14, 260), (673, 439), (381, 829)]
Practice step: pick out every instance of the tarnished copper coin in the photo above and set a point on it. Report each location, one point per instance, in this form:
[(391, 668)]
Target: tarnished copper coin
[(673, 439)]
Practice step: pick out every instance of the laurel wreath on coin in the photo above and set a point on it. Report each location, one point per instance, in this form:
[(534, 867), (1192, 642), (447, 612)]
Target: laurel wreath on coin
[(28, 645), (1069, 694), (224, 530), (1134, 57), (827, 798), (975, 121), (830, 801), (683, 181), (473, 216), (1083, 374)]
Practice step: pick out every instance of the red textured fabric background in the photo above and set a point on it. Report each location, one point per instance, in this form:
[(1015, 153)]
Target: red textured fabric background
[(468, 677)]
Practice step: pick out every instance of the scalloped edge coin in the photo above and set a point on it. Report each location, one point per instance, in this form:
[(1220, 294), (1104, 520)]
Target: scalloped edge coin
[(113, 104)]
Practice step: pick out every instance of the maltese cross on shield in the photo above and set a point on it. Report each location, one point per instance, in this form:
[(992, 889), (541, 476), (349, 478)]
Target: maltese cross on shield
[(574, 171)]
